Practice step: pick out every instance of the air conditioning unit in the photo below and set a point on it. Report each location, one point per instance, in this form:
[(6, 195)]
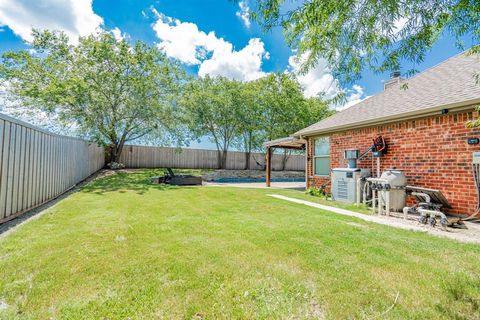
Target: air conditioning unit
[(344, 183)]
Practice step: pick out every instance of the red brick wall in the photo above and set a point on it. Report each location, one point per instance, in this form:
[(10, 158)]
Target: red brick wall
[(433, 153)]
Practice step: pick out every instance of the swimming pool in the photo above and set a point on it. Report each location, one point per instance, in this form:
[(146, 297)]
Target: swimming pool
[(249, 180)]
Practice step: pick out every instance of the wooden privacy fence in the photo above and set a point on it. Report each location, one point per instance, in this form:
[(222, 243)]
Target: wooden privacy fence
[(36, 165), (160, 157)]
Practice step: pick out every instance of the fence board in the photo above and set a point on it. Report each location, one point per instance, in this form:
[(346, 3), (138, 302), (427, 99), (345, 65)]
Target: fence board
[(160, 157), (10, 170), (4, 167), (36, 165)]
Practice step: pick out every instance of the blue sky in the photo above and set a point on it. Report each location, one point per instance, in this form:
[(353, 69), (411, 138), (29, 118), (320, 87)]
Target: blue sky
[(208, 36)]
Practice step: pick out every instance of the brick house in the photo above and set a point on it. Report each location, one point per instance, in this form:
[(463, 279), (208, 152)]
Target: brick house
[(423, 126)]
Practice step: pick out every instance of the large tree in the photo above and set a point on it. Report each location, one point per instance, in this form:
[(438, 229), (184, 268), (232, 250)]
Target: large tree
[(380, 34), (114, 92), (211, 108), (284, 108), (250, 136), (281, 99)]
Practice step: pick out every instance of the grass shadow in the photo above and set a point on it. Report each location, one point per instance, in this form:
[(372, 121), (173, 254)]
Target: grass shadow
[(121, 181)]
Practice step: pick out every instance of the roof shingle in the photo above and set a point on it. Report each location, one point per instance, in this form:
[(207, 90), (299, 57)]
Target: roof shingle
[(449, 83)]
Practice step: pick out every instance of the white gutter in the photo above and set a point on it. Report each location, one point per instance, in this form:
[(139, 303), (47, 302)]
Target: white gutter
[(460, 106)]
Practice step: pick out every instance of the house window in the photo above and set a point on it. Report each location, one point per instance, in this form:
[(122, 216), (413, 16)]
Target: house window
[(321, 157)]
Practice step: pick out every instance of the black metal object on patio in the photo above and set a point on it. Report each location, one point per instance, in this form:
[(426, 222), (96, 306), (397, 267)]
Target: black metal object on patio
[(178, 180)]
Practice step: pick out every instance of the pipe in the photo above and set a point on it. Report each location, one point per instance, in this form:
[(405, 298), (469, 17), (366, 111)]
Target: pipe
[(359, 197), (433, 213), (379, 193), (378, 167), (365, 188), (374, 198), (387, 202), (421, 194), (380, 203), (476, 178)]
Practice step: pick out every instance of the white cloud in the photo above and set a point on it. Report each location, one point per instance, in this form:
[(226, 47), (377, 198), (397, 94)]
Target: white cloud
[(317, 80), (214, 56), (244, 65), (320, 81), (354, 95), (74, 17), (244, 13), (118, 34)]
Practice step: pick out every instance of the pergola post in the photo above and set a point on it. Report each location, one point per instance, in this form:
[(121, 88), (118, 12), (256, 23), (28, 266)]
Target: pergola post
[(285, 143), (268, 169)]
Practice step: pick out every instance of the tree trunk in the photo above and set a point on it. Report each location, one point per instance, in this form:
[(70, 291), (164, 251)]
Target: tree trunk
[(114, 152), (248, 150), (247, 160), (219, 159), (224, 159), (286, 154)]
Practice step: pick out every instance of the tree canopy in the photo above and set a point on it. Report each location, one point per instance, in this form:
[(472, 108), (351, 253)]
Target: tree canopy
[(285, 110), (246, 114), (252, 121), (378, 35), (211, 108), (114, 92)]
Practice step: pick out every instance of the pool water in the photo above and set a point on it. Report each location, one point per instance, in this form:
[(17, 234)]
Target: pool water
[(249, 180)]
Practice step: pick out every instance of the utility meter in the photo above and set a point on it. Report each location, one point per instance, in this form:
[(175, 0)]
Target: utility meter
[(476, 157)]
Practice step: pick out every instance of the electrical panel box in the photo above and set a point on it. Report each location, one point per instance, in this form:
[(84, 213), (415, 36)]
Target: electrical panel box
[(476, 157), (344, 183)]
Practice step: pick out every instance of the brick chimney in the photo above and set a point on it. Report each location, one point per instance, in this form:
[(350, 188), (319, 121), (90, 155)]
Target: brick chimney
[(395, 78)]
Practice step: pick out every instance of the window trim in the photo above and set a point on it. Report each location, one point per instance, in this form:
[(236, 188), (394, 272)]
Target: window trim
[(314, 157)]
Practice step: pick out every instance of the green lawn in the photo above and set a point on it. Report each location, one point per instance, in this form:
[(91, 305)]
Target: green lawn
[(125, 249)]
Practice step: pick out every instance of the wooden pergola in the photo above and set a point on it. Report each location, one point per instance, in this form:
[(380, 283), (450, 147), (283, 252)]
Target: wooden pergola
[(292, 143)]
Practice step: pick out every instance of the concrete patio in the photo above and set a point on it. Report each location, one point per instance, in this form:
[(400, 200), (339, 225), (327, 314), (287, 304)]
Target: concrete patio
[(275, 185)]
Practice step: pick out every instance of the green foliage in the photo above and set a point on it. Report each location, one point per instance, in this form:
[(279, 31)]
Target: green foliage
[(212, 107), (246, 114), (284, 108), (316, 192), (474, 123), (112, 91), (282, 103), (379, 35), (463, 289), (251, 117)]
